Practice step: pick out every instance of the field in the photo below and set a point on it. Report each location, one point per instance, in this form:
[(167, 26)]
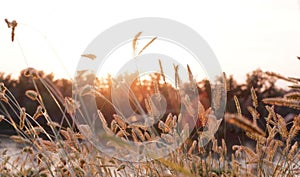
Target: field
[(61, 135), (60, 149)]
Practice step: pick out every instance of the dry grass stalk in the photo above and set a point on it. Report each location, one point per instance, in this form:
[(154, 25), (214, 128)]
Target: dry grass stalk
[(22, 118), (33, 95), (89, 56), (53, 124), (254, 113), (295, 87), (177, 78), (254, 98), (120, 121), (191, 77), (244, 123), (134, 42), (122, 133), (163, 127), (169, 121), (202, 114), (19, 139), (293, 150), (147, 45), (282, 127), (279, 76), (258, 138), (139, 133), (237, 105), (13, 26), (271, 115), (293, 96), (71, 105), (39, 112), (283, 102), (162, 71)]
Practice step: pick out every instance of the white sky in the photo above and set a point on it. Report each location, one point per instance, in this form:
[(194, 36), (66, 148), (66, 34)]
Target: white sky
[(244, 34)]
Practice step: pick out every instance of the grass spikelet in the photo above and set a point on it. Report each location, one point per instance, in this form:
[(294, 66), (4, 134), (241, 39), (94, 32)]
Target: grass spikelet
[(134, 136), (147, 45), (122, 133), (272, 150), (243, 123), (258, 138), (31, 72), (254, 113), (121, 167), (134, 43), (89, 56), (34, 131), (148, 107), (19, 139), (163, 127), (294, 87), (120, 121), (271, 116), (225, 83), (71, 105), (191, 77), (2, 88), (49, 145), (283, 102), (169, 120), (65, 134), (295, 128), (276, 75), (218, 96), (177, 167), (162, 71), (254, 98), (202, 114), (282, 126), (237, 105), (53, 124), (13, 26), (139, 133), (33, 95), (22, 118), (292, 151), (39, 112), (192, 148), (177, 78), (147, 136), (156, 87), (293, 96), (113, 126), (250, 153), (224, 147)]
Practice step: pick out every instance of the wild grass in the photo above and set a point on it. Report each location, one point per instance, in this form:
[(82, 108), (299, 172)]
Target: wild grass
[(65, 151)]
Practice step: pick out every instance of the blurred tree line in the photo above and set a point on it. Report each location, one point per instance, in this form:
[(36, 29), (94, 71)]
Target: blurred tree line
[(263, 84)]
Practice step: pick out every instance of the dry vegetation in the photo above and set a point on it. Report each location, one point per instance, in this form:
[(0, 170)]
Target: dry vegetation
[(64, 151)]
